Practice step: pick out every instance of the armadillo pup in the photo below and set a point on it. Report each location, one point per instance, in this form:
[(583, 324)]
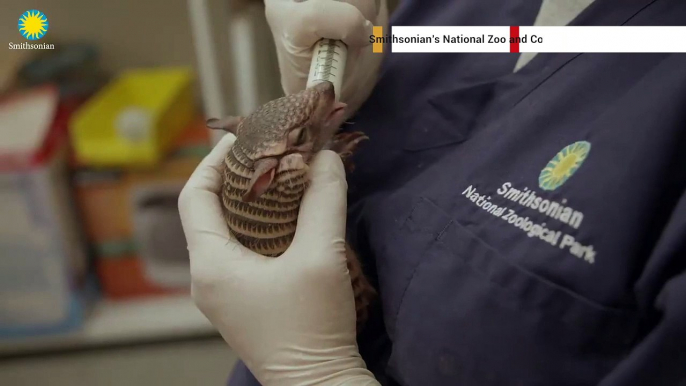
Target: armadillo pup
[(265, 173)]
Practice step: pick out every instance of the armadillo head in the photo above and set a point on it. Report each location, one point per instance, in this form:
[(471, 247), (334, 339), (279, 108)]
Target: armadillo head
[(285, 133)]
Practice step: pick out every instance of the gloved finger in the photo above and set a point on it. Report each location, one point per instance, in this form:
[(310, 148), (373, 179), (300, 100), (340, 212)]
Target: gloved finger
[(370, 8), (199, 204), (331, 20), (323, 209), (294, 70)]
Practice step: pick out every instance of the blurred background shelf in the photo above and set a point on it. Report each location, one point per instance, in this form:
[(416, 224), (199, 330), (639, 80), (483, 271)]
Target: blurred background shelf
[(153, 319), (118, 223)]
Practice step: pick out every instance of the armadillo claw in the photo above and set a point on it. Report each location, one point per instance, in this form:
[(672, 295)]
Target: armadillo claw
[(343, 143)]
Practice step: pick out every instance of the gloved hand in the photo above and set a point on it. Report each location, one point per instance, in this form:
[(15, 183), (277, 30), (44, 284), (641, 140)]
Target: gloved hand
[(297, 26), (292, 318)]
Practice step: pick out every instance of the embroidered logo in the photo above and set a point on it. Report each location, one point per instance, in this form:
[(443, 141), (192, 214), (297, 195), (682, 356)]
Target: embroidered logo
[(33, 24), (563, 165)]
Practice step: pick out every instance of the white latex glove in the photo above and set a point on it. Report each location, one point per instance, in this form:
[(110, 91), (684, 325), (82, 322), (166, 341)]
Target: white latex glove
[(297, 26), (292, 318)]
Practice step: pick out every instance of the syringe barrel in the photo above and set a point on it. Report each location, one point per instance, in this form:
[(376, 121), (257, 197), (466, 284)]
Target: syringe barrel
[(328, 63)]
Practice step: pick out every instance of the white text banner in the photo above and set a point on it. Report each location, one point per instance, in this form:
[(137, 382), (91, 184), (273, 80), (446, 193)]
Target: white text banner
[(573, 39)]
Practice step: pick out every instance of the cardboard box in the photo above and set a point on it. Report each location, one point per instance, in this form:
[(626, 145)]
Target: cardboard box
[(132, 221)]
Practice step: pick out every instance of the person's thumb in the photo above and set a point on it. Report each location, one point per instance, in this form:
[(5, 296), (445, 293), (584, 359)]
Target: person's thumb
[(321, 222), (330, 20)]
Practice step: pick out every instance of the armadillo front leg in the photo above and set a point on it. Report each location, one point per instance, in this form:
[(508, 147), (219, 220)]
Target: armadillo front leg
[(363, 291), (345, 144)]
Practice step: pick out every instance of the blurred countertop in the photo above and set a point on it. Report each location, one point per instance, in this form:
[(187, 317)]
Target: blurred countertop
[(160, 318)]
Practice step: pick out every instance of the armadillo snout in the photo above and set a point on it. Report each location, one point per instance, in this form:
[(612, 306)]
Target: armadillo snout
[(325, 88)]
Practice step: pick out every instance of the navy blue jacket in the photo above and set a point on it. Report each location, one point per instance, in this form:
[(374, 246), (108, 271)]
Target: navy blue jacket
[(524, 228)]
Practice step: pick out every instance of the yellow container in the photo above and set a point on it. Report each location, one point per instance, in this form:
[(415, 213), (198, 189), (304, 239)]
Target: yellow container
[(133, 120)]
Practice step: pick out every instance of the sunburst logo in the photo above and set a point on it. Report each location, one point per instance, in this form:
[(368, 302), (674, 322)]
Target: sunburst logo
[(563, 165), (33, 24)]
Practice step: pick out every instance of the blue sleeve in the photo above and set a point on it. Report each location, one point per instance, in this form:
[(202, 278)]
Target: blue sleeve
[(241, 376), (659, 358)]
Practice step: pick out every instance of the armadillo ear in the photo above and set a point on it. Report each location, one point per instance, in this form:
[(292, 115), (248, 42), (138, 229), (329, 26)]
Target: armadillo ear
[(265, 170), (229, 124)]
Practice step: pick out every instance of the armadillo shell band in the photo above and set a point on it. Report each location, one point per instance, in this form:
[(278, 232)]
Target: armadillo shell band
[(236, 165), (272, 247), (258, 229), (271, 199), (237, 156), (274, 215), (231, 195)]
